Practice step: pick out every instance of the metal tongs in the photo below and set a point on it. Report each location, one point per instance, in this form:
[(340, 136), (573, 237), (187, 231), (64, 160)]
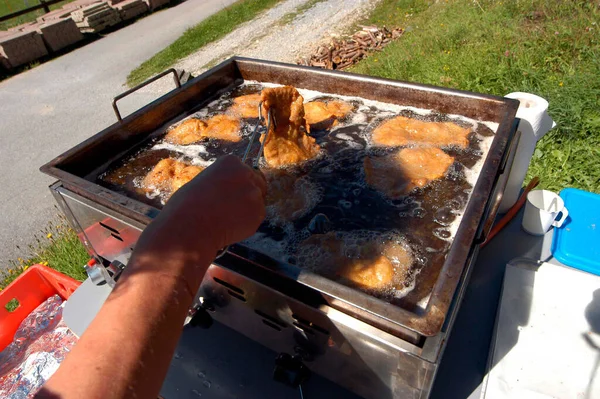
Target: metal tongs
[(256, 161), (255, 133)]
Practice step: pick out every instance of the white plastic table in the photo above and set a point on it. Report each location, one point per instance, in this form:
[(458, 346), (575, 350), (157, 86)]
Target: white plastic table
[(465, 362), (547, 342)]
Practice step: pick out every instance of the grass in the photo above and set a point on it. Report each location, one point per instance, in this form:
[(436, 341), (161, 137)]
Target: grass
[(12, 305), (283, 21), (212, 28), (58, 247), (547, 47), (10, 6), (290, 16)]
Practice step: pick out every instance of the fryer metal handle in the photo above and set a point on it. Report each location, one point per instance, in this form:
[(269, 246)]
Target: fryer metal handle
[(146, 83), (498, 193)]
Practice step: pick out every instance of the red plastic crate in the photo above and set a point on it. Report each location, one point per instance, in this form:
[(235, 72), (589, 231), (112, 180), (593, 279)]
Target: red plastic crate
[(31, 289)]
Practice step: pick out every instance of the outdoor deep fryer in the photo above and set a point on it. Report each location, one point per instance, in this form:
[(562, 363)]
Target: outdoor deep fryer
[(371, 347)]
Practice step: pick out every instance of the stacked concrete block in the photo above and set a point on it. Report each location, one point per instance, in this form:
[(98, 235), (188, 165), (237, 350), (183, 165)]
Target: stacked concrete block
[(154, 4), (92, 9), (60, 13), (19, 48), (59, 34), (63, 27), (129, 9), (95, 18)]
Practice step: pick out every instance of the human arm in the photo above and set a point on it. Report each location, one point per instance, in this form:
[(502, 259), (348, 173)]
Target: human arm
[(127, 349)]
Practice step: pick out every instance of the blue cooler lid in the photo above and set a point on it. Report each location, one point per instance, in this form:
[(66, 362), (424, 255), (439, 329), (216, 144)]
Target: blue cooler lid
[(577, 242)]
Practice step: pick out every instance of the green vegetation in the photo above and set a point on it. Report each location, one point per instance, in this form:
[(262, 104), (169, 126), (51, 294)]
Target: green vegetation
[(12, 305), (290, 16), (209, 30), (57, 247), (547, 47), (10, 6)]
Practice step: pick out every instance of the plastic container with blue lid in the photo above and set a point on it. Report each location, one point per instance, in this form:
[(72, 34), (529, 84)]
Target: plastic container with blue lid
[(577, 242)]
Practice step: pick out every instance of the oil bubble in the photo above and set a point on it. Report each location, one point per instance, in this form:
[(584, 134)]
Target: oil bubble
[(419, 213), (442, 233), (444, 216), (345, 204)]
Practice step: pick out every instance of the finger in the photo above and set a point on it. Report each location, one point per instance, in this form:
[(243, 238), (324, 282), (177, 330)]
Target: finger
[(261, 215), (226, 163), (256, 177), (229, 159), (257, 202), (260, 181)]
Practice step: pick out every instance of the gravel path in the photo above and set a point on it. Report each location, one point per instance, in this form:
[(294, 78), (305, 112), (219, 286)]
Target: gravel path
[(266, 38)]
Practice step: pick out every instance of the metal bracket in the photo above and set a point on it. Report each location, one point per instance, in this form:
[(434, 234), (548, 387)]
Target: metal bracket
[(146, 83), (105, 275)]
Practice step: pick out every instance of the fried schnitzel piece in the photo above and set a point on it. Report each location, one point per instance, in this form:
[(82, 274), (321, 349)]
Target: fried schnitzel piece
[(193, 130), (160, 177), (322, 116), (286, 144), (223, 127), (184, 176), (406, 131), (168, 176), (372, 263), (188, 132), (246, 106), (370, 273), (398, 173), (339, 109), (316, 112), (289, 197)]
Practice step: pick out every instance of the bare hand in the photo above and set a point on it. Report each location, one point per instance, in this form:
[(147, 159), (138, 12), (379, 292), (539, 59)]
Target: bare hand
[(227, 201), (224, 204)]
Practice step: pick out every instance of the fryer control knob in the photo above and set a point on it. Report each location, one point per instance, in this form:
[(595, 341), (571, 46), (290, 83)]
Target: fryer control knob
[(290, 370)]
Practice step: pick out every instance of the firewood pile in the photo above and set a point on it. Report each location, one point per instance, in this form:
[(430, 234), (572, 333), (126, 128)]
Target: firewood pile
[(342, 53)]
